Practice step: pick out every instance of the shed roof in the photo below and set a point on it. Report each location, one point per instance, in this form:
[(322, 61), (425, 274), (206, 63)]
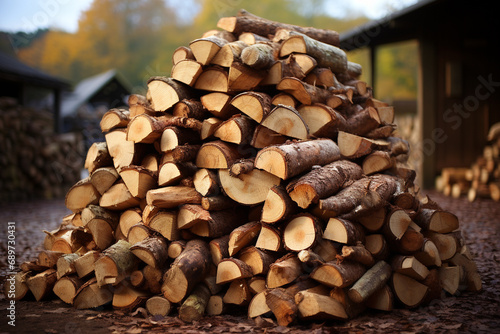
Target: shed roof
[(86, 89), (13, 69)]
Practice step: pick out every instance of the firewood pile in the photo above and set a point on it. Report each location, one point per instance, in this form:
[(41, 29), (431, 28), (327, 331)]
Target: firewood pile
[(35, 161), (482, 179), (263, 176)]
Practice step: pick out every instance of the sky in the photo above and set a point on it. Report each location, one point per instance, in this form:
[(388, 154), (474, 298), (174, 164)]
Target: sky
[(29, 15)]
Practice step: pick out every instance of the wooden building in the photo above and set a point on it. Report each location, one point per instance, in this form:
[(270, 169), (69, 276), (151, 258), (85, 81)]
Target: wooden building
[(458, 95)]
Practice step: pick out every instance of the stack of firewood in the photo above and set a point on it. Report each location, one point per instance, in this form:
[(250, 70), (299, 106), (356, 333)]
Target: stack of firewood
[(262, 175), (482, 179), (35, 161)]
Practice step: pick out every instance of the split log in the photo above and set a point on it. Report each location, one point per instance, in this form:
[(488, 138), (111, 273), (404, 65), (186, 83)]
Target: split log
[(229, 53), (101, 223), (283, 160), (217, 203), (66, 288), (282, 305), (269, 238), (172, 137), (313, 306), (182, 52), (186, 271), (436, 220), (243, 236), (165, 92), (259, 56), (238, 293), (118, 197), (213, 79), (81, 194), (338, 275), (138, 180), (15, 286), (231, 269), (205, 49), (187, 71), (115, 263), (264, 137), (66, 265), (352, 146), (286, 121), (250, 188), (301, 232), (152, 251), (97, 157), (84, 265), (218, 104), (409, 266), (258, 305), (277, 206), (91, 295), (303, 92), (48, 258), (382, 299), (217, 154), (219, 249), (128, 298), (373, 280), (171, 197), (165, 223), (257, 259), (42, 284), (114, 118), (409, 292), (103, 178), (256, 105), (357, 253), (243, 78), (238, 129), (283, 271)]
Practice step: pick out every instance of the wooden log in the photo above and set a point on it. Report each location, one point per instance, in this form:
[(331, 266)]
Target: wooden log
[(301, 232), (269, 238), (138, 180), (182, 52), (256, 105), (229, 53), (352, 146), (213, 79), (186, 271), (66, 265), (158, 305), (42, 284), (282, 305), (246, 21), (302, 91), (206, 182), (15, 286), (282, 160), (264, 137), (217, 203), (409, 292), (286, 121), (80, 195), (84, 265), (172, 137), (114, 118), (187, 71), (103, 178), (66, 287), (313, 306), (258, 305), (205, 49), (409, 266), (48, 258), (218, 104), (238, 293), (338, 275), (277, 206), (436, 220), (115, 263), (219, 249), (101, 223), (259, 56), (323, 182), (128, 298), (371, 281), (382, 299), (165, 223), (152, 251), (165, 92), (217, 154), (243, 236), (193, 308), (257, 259), (238, 129), (285, 270), (243, 78), (97, 157), (250, 188), (91, 295), (231, 269), (357, 253), (171, 197), (190, 108), (118, 197)]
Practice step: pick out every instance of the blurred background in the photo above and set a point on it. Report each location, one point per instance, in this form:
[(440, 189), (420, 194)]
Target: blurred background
[(71, 61)]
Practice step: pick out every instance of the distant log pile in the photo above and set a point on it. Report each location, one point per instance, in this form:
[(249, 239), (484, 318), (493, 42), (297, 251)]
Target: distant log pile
[(263, 175), (35, 162), (482, 179)]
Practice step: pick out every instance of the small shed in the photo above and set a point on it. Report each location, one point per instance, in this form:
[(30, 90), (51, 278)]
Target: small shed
[(83, 107), (458, 96), (31, 87)]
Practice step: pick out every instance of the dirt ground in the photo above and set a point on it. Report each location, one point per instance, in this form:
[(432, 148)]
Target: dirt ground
[(464, 313)]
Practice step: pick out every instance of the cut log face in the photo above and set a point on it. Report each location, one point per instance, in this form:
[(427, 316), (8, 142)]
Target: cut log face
[(408, 291), (314, 306), (344, 231), (277, 206), (158, 305), (229, 53), (213, 79), (204, 49), (165, 92), (152, 251), (381, 299), (269, 238), (338, 275), (264, 137), (253, 104), (165, 222), (258, 260), (231, 269), (90, 295), (103, 178), (217, 155), (114, 118), (303, 92), (301, 232), (237, 130), (138, 180), (243, 236), (287, 121), (80, 195), (258, 305), (283, 271), (187, 71), (218, 104), (437, 220), (352, 146), (283, 160), (250, 188), (42, 284), (118, 197)]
